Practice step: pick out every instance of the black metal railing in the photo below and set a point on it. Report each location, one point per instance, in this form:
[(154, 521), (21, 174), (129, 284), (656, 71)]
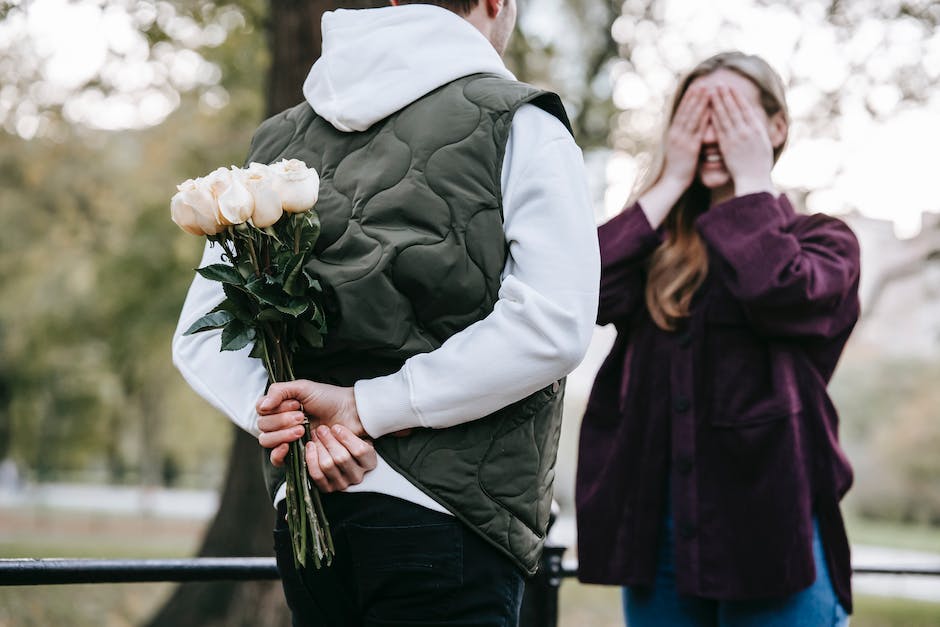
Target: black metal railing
[(45, 572), (539, 608)]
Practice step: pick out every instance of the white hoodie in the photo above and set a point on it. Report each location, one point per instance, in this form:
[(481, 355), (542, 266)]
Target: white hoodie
[(374, 63)]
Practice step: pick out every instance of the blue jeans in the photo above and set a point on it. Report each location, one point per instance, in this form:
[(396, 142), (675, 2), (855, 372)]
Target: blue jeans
[(663, 606)]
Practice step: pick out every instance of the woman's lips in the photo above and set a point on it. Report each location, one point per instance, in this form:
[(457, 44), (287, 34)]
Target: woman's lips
[(712, 159)]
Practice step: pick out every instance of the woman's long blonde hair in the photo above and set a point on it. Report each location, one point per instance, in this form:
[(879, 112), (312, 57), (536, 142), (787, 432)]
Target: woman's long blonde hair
[(679, 266)]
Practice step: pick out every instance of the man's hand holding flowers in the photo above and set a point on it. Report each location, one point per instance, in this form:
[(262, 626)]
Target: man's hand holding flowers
[(337, 456)]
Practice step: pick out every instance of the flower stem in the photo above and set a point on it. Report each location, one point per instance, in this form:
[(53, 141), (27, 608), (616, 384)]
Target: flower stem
[(253, 255), (309, 531), (297, 231)]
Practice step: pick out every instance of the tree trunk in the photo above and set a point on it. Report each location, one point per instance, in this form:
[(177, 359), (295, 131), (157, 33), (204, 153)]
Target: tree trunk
[(242, 528), (294, 39), (245, 519)]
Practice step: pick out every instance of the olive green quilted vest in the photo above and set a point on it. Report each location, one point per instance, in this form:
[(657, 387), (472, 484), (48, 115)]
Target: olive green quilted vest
[(410, 252)]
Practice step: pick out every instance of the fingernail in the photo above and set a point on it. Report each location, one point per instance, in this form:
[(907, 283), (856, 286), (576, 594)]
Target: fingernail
[(309, 446), (337, 429), (322, 430)]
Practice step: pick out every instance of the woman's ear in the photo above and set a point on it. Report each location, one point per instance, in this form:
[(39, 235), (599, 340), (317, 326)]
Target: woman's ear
[(777, 129), (493, 7)]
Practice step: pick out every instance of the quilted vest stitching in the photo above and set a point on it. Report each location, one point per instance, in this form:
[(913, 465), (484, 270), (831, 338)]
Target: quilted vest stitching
[(412, 187)]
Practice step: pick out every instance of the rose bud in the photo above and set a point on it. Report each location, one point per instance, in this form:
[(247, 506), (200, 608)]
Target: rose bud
[(217, 183), (184, 215), (193, 205), (236, 204), (297, 185), (268, 209)]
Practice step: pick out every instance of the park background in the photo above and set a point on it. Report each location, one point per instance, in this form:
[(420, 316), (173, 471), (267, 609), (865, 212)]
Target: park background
[(105, 106)]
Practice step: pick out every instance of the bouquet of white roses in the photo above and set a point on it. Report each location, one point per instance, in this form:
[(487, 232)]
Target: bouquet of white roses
[(262, 217)]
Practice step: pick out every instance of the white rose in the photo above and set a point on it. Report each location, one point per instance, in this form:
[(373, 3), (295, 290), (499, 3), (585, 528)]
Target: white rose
[(297, 185), (235, 202), (216, 182), (194, 209), (258, 179), (184, 215), (259, 168)]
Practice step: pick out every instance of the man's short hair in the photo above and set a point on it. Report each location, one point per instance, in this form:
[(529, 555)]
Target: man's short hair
[(461, 7)]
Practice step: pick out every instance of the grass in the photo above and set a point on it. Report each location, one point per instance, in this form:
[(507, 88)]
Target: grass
[(41, 533), (893, 535), (580, 605), (885, 612), (105, 605)]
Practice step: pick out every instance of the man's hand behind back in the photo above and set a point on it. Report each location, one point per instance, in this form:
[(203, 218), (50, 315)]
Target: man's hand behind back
[(285, 403), (336, 456)]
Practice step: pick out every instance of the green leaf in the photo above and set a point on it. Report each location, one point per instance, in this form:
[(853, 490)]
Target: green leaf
[(282, 257), (269, 314), (309, 225), (239, 303), (212, 320), (319, 318), (222, 273), (295, 281), (236, 336), (267, 293), (257, 351), (310, 333), (295, 307)]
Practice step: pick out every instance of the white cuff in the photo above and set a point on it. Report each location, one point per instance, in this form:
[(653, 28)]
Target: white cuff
[(384, 404)]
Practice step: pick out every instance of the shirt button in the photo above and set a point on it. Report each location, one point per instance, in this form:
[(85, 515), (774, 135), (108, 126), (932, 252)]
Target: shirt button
[(681, 404), (684, 465), (687, 531), (685, 340)]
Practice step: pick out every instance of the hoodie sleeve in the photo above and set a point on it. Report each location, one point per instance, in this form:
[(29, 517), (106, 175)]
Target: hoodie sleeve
[(232, 382), (542, 323)]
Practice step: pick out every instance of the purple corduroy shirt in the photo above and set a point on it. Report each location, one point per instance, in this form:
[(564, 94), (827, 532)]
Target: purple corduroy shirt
[(730, 410)]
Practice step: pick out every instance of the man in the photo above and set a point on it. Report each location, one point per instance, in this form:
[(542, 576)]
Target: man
[(459, 257)]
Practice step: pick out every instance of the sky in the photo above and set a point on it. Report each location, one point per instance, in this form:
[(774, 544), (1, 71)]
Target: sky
[(880, 165)]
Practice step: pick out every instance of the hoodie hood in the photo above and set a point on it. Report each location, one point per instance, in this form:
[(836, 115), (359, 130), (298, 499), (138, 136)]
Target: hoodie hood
[(377, 61)]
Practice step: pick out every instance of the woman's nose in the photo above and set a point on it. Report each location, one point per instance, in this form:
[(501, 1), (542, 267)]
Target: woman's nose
[(710, 137)]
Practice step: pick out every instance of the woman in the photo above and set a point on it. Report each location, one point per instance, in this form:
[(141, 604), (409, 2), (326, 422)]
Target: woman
[(709, 473)]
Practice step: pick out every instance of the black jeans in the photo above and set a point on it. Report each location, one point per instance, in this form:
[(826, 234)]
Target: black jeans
[(399, 564)]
